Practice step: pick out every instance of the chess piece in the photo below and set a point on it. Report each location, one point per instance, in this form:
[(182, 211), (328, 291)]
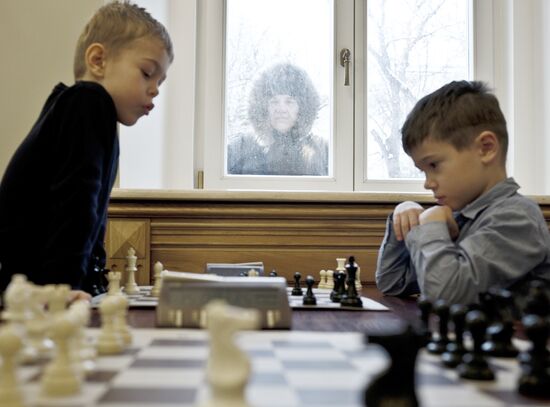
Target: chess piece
[(341, 264), (16, 299), (339, 287), (350, 298), (330, 280), (10, 390), (273, 273), (322, 279), (358, 285), (425, 307), (537, 302), (157, 270), (309, 297), (61, 376), (114, 278), (474, 365), (297, 290), (131, 287), (119, 319), (228, 367), (58, 298), (109, 341), (501, 330), (455, 349), (38, 345), (534, 380), (439, 344), (395, 386), (83, 352)]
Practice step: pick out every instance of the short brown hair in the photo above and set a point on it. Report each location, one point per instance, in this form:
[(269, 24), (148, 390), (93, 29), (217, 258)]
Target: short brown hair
[(455, 113), (116, 25)]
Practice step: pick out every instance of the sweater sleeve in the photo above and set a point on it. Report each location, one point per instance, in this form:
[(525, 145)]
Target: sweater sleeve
[(395, 274)]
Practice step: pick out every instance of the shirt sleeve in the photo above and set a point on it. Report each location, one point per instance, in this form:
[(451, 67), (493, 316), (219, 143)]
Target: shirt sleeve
[(504, 247), (85, 145), (395, 274)]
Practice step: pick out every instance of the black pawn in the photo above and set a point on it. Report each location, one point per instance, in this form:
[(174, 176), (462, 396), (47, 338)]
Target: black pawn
[(273, 273), (339, 286), (395, 386), (309, 298), (535, 378), (455, 350), (500, 332), (474, 365), (439, 344), (537, 301), (350, 297), (297, 290), (425, 306)]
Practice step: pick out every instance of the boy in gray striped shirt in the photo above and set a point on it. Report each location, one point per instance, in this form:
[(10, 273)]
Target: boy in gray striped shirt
[(482, 233)]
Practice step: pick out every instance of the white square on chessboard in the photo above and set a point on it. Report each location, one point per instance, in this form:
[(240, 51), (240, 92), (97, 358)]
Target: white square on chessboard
[(161, 378), (266, 364), (174, 352), (335, 380), (91, 392), (310, 354)]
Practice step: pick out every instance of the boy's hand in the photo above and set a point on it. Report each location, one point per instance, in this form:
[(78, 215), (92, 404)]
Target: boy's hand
[(75, 295), (441, 214), (405, 217)]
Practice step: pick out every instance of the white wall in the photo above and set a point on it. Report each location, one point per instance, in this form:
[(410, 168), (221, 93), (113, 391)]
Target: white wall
[(37, 39)]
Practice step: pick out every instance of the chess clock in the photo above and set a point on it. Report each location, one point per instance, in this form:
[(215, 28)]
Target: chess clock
[(184, 295)]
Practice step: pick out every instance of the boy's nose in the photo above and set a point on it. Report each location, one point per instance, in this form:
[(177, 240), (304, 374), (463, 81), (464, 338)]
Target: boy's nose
[(154, 91), (429, 184)]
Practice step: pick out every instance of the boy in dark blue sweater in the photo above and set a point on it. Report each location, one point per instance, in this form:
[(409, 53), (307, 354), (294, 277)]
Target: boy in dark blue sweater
[(55, 191)]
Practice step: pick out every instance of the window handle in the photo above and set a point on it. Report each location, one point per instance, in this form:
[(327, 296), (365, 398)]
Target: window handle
[(345, 58)]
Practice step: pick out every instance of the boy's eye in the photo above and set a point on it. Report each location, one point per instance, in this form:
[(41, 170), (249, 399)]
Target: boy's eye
[(432, 165), (146, 74)]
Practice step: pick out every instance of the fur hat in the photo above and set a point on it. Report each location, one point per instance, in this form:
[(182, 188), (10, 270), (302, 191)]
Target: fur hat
[(283, 79)]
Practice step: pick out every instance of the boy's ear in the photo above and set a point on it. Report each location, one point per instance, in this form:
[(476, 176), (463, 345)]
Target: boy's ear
[(95, 60), (488, 146)]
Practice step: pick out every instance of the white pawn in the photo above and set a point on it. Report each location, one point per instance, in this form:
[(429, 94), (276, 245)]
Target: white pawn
[(58, 296), (83, 354), (322, 279), (109, 341), (330, 279), (121, 326), (16, 299), (253, 273), (358, 285), (131, 286), (10, 390), (114, 278), (62, 377), (157, 285), (38, 345)]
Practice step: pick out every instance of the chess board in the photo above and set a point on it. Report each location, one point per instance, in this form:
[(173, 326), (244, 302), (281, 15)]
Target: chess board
[(167, 368), (144, 300), (322, 296)]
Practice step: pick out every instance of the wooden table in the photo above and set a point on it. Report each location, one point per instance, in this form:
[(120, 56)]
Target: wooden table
[(401, 310)]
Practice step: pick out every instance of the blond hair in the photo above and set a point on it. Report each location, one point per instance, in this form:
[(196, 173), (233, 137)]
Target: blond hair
[(115, 26)]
